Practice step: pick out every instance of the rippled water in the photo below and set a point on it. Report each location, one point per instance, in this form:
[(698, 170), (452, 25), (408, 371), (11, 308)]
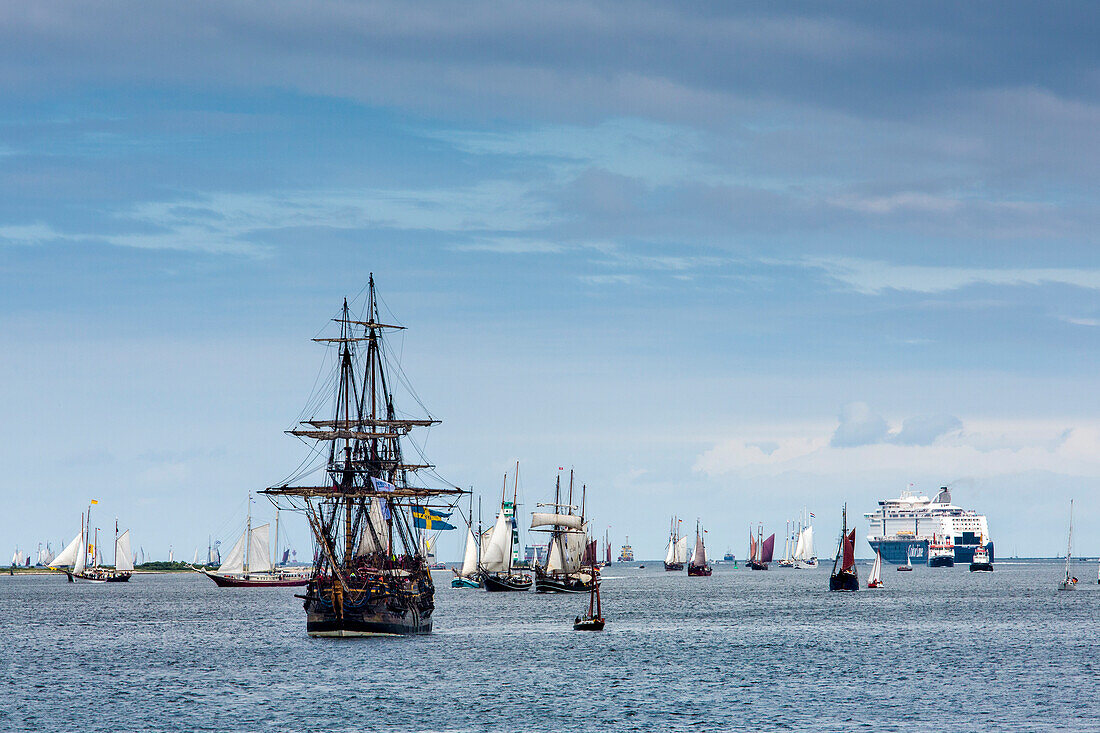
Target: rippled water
[(939, 649)]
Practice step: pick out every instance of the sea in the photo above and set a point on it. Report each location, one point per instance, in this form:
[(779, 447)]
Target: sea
[(935, 650)]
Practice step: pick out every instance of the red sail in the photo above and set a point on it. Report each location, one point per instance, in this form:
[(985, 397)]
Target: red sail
[(589, 554), (849, 551), (752, 547), (769, 545)]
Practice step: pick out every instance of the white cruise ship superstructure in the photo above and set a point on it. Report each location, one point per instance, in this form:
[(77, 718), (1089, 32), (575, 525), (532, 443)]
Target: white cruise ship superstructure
[(902, 528)]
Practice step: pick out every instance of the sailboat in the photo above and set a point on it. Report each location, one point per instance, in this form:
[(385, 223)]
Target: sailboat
[(787, 561), (563, 571), (908, 566), (469, 575), (844, 575), (698, 566), (251, 562), (74, 559), (804, 557), (1068, 582), (369, 576), (592, 620), (607, 548), (496, 560), (760, 550), (874, 580), (676, 553)]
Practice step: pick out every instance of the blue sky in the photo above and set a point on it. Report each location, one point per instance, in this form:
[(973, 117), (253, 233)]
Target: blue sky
[(726, 262)]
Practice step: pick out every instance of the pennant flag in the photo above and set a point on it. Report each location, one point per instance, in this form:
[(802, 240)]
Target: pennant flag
[(430, 520), (380, 485)]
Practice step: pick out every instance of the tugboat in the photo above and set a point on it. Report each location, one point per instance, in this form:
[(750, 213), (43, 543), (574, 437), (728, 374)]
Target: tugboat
[(676, 553), (941, 553), (981, 562), (845, 577), (74, 558), (369, 576), (563, 571), (874, 580), (698, 566), (760, 550)]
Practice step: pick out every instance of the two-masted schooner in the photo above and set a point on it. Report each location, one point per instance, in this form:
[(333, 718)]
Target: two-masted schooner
[(369, 575), (563, 571), (497, 556), (844, 575), (82, 560), (676, 554), (698, 565), (252, 561), (760, 549)]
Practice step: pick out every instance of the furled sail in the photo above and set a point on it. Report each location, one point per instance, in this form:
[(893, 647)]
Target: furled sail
[(234, 561), (497, 556), (469, 559), (259, 549), (124, 557), (682, 550), (543, 519), (367, 543), (68, 555)]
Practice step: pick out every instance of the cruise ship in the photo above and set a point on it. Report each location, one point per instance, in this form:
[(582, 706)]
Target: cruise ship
[(903, 528)]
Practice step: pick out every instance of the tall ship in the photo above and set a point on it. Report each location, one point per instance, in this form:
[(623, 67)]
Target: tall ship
[(82, 560), (369, 575), (676, 554), (563, 571), (804, 556), (497, 573), (902, 529), (698, 565), (626, 554)]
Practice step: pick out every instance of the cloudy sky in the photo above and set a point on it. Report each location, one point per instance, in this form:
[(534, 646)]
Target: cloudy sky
[(725, 262)]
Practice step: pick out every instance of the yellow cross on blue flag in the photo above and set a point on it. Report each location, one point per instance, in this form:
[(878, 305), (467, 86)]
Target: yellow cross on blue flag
[(431, 520)]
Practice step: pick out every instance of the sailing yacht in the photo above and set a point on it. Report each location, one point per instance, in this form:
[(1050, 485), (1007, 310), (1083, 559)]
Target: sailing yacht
[(82, 560), (874, 580), (469, 575), (787, 561), (563, 570), (1069, 582), (907, 567), (496, 561), (676, 552), (844, 575), (804, 557), (698, 566), (251, 563)]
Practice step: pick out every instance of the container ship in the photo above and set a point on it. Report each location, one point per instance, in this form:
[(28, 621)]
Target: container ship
[(903, 529)]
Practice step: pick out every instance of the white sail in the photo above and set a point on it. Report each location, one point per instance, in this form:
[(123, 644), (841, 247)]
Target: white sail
[(800, 546), (68, 555), (876, 570), (543, 519), (469, 560), (670, 553), (234, 561), (682, 550), (575, 544), (496, 557), (808, 543), (367, 543), (554, 559), (81, 555), (124, 558), (259, 549)]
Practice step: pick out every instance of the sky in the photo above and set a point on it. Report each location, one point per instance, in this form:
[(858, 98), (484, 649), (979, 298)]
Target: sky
[(725, 262)]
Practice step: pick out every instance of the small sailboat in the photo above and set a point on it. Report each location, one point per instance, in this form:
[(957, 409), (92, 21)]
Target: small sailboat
[(874, 580), (469, 576), (1069, 582), (908, 566), (593, 620), (980, 563), (844, 575), (676, 552), (82, 560), (496, 561), (760, 550), (698, 566), (250, 562)]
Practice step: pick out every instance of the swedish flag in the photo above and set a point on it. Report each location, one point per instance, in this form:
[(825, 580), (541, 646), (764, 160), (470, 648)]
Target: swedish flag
[(431, 520)]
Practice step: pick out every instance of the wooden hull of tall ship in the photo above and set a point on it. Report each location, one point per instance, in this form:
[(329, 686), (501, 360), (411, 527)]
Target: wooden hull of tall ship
[(754, 565), (844, 580), (258, 580), (375, 614), (495, 583), (107, 577), (546, 583), (674, 567), (700, 571)]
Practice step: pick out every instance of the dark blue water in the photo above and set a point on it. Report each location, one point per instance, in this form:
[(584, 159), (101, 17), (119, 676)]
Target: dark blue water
[(942, 650)]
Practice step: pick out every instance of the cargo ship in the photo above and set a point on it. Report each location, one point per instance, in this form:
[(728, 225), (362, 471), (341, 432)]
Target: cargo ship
[(903, 529)]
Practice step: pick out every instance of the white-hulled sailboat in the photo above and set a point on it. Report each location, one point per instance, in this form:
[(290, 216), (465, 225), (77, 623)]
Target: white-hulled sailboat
[(874, 580), (804, 556), (1069, 582)]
